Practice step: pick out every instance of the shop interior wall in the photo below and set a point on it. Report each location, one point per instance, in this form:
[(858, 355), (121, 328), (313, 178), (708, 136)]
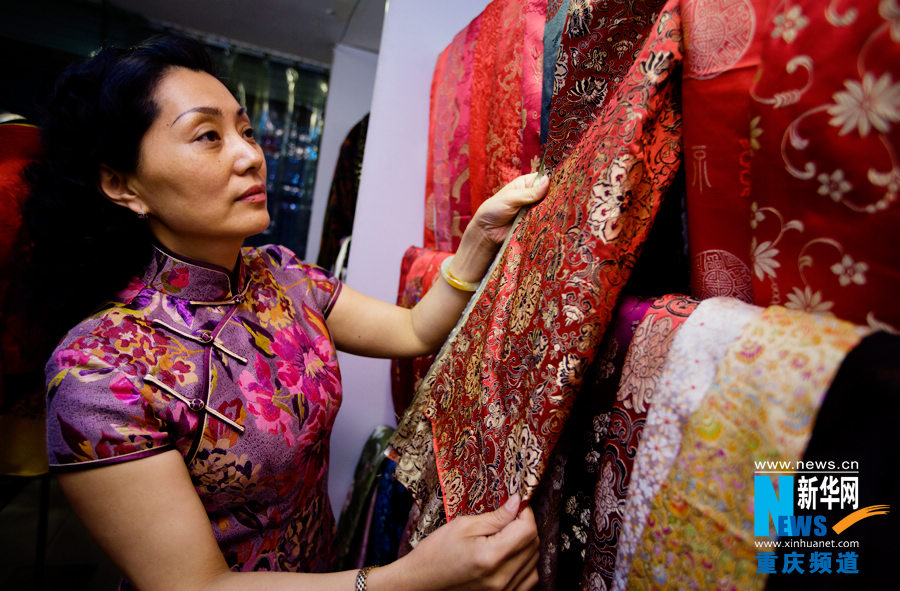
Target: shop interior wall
[(349, 99), (390, 209)]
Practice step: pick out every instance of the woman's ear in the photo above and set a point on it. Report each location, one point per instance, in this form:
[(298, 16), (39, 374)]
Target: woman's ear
[(114, 185)]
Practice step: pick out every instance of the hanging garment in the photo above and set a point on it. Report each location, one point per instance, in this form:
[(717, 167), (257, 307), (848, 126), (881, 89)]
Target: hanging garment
[(500, 391), (419, 269), (722, 47), (341, 207), (563, 500), (22, 408), (850, 428), (484, 124), (762, 405), (447, 169), (600, 41), (504, 135), (353, 525), (640, 383), (690, 367), (826, 161), (389, 515), (556, 18)]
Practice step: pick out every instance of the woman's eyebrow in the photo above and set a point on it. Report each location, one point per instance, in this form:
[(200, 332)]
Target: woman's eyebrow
[(205, 110)]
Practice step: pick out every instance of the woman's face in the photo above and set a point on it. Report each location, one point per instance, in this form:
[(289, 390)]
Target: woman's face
[(200, 174)]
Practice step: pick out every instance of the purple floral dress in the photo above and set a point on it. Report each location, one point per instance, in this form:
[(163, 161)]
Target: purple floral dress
[(243, 382)]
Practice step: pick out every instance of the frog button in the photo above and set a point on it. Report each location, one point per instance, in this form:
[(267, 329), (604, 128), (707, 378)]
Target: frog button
[(196, 404), (239, 298), (205, 337)]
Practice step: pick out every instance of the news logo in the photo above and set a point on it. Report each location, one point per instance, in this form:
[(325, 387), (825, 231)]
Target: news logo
[(805, 507)]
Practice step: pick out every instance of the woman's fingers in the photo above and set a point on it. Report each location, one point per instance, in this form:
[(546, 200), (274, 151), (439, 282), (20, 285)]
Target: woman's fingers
[(489, 524), (527, 576), (524, 189)]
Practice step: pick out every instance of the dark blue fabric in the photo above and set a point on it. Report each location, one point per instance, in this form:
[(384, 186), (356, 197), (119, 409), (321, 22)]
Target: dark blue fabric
[(552, 35), (392, 505)]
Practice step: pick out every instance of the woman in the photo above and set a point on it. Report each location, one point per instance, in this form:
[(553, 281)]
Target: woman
[(189, 415)]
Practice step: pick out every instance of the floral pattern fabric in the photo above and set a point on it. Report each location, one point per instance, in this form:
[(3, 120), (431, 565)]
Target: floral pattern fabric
[(847, 430), (639, 386), (557, 10), (722, 53), (762, 406), (485, 111), (575, 467), (241, 379), (501, 389), (826, 174), (599, 43), (690, 367)]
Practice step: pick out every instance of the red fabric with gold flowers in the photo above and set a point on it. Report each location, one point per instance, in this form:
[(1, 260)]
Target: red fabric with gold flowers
[(824, 210), (599, 43), (500, 391)]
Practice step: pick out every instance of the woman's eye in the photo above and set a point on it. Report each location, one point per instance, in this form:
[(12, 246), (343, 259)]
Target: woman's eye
[(209, 136), (248, 133)]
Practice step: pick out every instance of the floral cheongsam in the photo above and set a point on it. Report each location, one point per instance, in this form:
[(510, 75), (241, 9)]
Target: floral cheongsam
[(243, 381)]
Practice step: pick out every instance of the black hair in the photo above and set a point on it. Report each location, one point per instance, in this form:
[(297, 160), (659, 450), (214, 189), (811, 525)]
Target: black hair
[(86, 248)]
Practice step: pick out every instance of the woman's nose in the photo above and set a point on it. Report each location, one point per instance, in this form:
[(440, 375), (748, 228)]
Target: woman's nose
[(249, 155)]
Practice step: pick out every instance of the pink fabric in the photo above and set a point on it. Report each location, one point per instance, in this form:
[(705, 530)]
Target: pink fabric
[(444, 87), (484, 127)]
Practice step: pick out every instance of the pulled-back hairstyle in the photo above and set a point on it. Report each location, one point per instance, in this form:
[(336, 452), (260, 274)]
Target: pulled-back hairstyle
[(86, 248)]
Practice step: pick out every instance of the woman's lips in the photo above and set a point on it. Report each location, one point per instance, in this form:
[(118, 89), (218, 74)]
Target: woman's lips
[(254, 194)]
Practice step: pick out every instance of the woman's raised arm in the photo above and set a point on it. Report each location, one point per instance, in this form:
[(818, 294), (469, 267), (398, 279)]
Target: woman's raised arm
[(365, 326)]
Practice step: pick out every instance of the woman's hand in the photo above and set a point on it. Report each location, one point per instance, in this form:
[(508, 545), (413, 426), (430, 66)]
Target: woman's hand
[(365, 326), (495, 216), (492, 222), (493, 551)]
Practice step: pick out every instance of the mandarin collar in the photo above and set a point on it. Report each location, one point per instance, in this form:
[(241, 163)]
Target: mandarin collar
[(190, 279)]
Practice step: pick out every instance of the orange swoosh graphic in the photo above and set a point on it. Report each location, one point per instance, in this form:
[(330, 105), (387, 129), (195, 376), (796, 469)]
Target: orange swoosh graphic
[(859, 515)]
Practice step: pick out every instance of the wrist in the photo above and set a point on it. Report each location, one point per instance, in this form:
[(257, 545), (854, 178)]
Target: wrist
[(362, 578), (472, 259), (454, 281), (396, 576)]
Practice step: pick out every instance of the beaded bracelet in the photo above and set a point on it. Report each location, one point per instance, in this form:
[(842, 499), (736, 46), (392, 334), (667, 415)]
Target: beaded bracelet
[(454, 281), (361, 578)]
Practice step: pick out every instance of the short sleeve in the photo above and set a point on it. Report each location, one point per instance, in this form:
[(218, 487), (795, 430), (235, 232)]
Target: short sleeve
[(96, 415), (317, 285)]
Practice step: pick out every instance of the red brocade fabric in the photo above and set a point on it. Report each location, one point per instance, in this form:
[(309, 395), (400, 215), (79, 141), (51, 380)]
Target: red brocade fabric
[(484, 126), (500, 391), (450, 89), (420, 268), (722, 48), (599, 43), (825, 117)]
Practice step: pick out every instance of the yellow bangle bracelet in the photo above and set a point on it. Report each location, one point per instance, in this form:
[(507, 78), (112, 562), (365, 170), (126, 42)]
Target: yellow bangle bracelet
[(455, 282)]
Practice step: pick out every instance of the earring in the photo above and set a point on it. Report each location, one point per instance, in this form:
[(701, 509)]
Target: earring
[(143, 215)]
